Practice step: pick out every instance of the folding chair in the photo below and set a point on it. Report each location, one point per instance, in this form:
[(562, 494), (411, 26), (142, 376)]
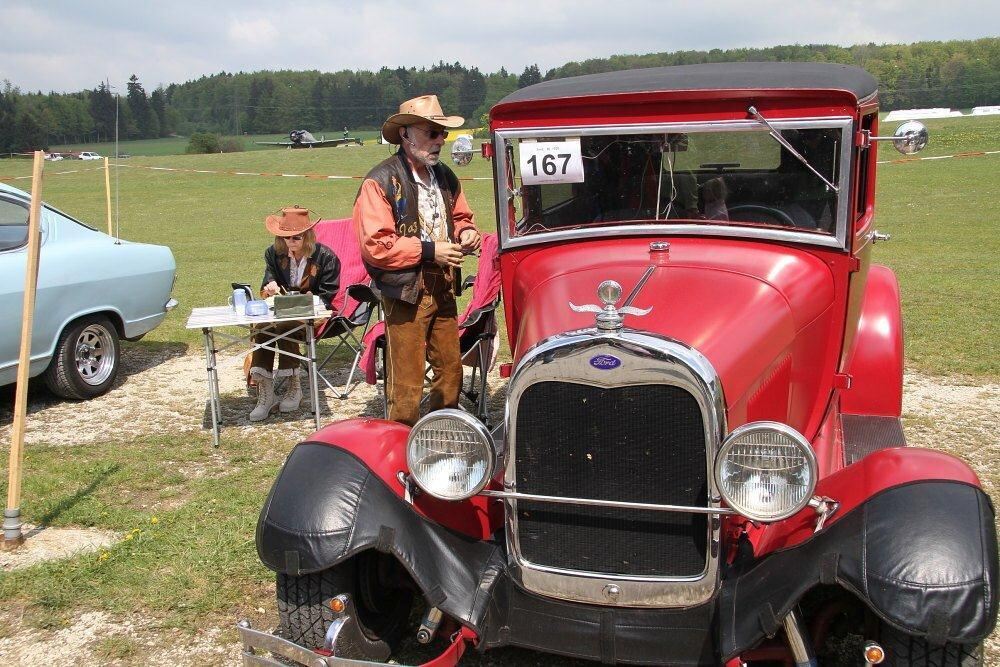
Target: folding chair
[(354, 303), (478, 334)]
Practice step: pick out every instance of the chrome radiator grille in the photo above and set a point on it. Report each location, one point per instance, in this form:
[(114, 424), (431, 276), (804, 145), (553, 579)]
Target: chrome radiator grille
[(642, 443)]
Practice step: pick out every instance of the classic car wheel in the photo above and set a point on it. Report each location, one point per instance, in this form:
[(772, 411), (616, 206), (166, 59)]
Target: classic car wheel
[(383, 609), (903, 649), (85, 363)]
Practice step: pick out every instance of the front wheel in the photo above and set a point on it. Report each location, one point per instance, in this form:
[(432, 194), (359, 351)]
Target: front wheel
[(86, 359), (903, 650), (381, 605)]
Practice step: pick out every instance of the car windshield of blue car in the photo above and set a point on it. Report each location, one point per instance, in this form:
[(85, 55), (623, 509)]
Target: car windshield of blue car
[(720, 175)]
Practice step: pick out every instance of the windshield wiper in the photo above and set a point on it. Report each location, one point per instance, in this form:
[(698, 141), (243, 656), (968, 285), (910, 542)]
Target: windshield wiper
[(752, 110)]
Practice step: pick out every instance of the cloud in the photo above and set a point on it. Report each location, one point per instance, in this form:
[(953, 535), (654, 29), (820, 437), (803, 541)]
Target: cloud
[(254, 34), (65, 45)]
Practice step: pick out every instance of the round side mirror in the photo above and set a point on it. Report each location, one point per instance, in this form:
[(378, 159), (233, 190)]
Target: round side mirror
[(910, 137), (461, 150)]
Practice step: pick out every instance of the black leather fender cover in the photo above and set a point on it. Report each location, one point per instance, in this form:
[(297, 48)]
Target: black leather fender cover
[(326, 505), (922, 556)]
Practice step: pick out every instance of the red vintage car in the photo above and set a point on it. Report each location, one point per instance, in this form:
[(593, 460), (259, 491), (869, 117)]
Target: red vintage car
[(701, 459)]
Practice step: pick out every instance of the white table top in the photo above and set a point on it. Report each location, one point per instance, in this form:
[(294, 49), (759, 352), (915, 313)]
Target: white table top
[(225, 316)]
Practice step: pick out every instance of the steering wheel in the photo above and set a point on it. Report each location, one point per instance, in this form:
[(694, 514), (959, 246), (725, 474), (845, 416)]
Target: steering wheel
[(761, 213)]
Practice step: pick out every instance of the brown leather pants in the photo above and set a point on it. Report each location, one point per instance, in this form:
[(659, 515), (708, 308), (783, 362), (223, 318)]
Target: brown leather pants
[(427, 331)]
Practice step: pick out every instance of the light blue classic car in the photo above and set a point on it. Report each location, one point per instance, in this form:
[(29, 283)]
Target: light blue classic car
[(92, 292)]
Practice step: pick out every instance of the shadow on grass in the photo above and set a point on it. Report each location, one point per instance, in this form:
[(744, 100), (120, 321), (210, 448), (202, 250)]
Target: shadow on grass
[(67, 503)]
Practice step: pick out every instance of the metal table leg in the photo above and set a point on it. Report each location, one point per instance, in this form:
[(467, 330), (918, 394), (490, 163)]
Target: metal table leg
[(313, 383), (213, 384)]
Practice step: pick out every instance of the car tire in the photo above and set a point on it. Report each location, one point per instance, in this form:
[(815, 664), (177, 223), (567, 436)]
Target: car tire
[(902, 649), (86, 359), (382, 612)]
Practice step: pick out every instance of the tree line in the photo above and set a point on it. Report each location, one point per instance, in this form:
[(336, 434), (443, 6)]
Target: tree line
[(924, 74)]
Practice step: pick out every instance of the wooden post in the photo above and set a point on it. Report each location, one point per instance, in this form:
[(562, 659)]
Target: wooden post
[(12, 537), (107, 192)]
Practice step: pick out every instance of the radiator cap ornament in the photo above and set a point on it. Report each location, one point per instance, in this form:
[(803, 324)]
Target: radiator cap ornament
[(609, 318)]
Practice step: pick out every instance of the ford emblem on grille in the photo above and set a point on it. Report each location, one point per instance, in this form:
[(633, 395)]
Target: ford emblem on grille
[(605, 362)]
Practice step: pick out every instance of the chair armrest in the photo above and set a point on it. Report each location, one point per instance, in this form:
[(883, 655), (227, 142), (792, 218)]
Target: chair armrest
[(364, 293), (478, 313)]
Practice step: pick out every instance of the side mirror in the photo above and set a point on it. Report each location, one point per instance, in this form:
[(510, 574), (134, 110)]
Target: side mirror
[(461, 150), (909, 138)]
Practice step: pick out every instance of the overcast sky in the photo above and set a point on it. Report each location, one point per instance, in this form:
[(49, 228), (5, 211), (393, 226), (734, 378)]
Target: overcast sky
[(66, 45)]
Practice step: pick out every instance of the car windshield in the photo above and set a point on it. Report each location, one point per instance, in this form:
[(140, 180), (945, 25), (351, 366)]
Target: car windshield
[(714, 176)]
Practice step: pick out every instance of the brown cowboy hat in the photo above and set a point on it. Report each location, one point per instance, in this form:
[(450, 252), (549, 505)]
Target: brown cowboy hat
[(419, 109), (292, 221)]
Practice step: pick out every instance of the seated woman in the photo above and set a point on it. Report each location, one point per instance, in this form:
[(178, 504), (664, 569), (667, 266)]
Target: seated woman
[(294, 262)]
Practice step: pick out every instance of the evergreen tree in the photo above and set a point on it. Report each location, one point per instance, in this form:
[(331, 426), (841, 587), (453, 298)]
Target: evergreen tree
[(102, 111), (8, 117), (145, 122), (529, 77), (158, 103)]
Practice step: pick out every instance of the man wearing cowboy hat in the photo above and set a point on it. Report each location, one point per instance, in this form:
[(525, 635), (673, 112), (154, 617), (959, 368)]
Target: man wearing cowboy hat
[(414, 225)]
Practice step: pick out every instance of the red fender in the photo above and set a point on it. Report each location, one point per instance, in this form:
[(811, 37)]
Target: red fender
[(853, 485), (875, 362), (381, 445)]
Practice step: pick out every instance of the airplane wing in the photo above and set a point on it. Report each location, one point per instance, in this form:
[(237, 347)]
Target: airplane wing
[(274, 143), (324, 143)]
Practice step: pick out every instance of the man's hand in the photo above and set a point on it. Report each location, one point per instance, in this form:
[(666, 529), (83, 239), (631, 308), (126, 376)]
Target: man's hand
[(470, 240), (270, 289), (447, 254)]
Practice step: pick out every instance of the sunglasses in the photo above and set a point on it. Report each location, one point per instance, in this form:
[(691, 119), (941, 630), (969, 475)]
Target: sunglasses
[(434, 134), (294, 238)]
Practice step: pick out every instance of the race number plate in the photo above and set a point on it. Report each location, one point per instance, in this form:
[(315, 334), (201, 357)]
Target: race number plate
[(551, 162)]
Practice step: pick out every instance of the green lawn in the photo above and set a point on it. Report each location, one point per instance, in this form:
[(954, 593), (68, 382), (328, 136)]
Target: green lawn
[(940, 214)]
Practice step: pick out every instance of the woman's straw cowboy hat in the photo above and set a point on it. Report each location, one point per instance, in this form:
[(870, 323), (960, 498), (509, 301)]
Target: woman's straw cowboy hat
[(419, 109), (292, 222)]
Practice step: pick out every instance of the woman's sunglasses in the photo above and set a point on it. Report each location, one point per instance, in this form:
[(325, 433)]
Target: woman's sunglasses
[(294, 238)]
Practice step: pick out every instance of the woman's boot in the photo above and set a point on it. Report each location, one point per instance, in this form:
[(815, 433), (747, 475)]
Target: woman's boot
[(266, 401), (293, 394)]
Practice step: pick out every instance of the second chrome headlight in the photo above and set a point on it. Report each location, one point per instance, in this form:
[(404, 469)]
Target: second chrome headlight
[(766, 471), (450, 454)]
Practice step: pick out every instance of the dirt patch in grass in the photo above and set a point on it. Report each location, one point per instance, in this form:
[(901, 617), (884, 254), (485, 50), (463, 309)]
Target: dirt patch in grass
[(42, 544), (96, 638)]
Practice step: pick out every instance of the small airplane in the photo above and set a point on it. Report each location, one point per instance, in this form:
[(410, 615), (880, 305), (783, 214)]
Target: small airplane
[(305, 139)]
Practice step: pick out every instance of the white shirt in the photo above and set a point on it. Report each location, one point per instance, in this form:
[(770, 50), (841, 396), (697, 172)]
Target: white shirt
[(430, 208), (295, 271)]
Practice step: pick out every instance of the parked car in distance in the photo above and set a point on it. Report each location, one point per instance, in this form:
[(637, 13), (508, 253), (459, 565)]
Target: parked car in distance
[(92, 291), (88, 155), (700, 460), (54, 157)]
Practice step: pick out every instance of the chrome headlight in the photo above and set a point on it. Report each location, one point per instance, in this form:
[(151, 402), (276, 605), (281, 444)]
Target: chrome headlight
[(766, 471), (450, 454)]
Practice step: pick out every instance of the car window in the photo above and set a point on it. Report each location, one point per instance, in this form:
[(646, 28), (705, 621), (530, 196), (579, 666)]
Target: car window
[(13, 225)]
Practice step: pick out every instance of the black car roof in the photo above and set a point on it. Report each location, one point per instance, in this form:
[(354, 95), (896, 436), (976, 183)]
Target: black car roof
[(706, 76)]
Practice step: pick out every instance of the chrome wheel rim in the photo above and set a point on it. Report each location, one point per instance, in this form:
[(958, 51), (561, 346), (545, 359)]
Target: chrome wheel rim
[(95, 355)]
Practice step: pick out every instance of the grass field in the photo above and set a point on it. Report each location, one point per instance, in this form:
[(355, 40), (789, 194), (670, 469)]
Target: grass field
[(940, 214), (189, 561)]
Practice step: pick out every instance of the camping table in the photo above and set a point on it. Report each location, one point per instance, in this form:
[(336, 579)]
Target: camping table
[(213, 318)]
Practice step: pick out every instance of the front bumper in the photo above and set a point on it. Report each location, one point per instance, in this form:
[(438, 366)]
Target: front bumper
[(922, 556)]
